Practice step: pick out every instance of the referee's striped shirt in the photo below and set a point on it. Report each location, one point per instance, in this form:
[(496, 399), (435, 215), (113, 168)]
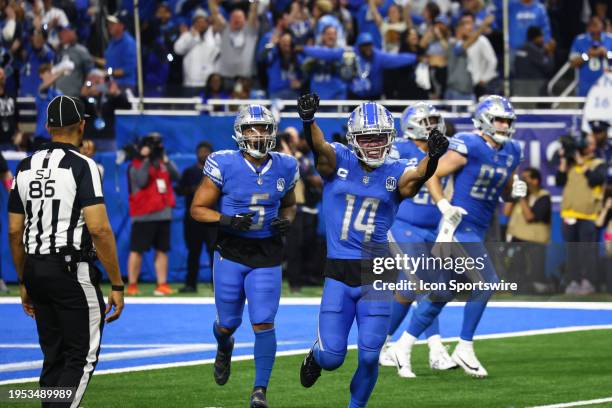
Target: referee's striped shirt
[(51, 188)]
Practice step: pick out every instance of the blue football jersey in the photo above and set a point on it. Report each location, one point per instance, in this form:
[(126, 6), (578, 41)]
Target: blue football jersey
[(594, 68), (480, 183), (247, 189), (359, 206), (419, 210)]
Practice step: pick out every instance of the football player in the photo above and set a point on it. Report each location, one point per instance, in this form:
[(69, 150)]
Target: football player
[(361, 193), (253, 190), (482, 163), (416, 222)]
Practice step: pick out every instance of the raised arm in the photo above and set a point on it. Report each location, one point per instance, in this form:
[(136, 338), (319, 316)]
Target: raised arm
[(378, 19), (412, 180), (252, 18), (218, 19), (324, 153)]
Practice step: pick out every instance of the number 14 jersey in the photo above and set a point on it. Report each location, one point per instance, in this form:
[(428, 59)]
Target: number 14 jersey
[(359, 206)]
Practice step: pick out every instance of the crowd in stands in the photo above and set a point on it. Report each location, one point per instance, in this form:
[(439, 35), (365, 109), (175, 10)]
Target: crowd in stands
[(362, 49)]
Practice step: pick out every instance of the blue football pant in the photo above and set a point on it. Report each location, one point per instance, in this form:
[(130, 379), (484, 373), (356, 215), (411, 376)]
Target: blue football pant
[(340, 306)]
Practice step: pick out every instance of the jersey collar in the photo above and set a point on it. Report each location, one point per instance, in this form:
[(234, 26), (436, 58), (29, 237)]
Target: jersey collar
[(58, 145), (265, 168)]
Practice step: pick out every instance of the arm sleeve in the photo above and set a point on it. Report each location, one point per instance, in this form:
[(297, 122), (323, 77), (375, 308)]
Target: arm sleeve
[(213, 171), (325, 54), (458, 144), (184, 43), (560, 178), (389, 60), (174, 173), (295, 175), (89, 185), (542, 209)]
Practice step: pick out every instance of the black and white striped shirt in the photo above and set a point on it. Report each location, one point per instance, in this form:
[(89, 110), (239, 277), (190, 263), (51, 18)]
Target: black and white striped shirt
[(51, 188)]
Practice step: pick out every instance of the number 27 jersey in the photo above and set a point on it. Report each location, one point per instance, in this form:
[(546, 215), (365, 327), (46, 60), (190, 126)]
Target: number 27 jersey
[(359, 206), (480, 183)]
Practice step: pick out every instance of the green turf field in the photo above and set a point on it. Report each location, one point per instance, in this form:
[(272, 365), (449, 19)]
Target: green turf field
[(524, 371)]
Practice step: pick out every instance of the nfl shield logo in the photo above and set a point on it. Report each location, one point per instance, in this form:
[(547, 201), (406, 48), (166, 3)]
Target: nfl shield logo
[(366, 180), (391, 183), (280, 184)]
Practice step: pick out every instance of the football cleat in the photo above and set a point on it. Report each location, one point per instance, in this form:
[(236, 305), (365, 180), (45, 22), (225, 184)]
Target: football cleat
[(439, 359), (385, 358), (258, 398), (465, 357), (223, 361), (310, 370), (401, 360)]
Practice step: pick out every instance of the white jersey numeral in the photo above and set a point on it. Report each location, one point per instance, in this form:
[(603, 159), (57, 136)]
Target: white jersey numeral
[(361, 224)]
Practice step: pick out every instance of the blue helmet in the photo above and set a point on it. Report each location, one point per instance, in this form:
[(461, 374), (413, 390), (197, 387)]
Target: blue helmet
[(259, 143), (419, 120), (370, 133), (495, 107)]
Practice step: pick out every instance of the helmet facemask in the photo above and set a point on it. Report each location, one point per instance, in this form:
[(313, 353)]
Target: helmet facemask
[(372, 148), (424, 126), (256, 139), (500, 129)]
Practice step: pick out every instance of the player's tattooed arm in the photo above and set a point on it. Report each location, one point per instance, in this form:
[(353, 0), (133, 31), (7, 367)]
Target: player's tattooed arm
[(204, 202), (324, 153)]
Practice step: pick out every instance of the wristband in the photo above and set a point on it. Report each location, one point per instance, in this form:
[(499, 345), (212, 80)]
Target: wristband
[(117, 288), (443, 205)]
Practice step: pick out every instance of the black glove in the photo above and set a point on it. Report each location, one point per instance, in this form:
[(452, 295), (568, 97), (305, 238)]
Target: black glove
[(307, 106), (281, 225), (240, 222), (437, 144)]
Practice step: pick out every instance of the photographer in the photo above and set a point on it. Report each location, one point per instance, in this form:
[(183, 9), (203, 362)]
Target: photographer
[(583, 176), (151, 201)]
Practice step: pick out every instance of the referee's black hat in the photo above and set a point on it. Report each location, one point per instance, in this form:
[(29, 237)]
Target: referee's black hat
[(65, 111)]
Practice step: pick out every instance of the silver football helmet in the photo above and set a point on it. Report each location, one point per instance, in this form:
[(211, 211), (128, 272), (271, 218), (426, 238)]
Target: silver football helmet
[(495, 107), (255, 131), (419, 120), (370, 133)]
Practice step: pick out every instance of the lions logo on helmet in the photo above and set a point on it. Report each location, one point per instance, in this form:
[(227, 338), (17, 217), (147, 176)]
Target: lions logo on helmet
[(488, 110), (419, 120), (255, 131), (370, 133)]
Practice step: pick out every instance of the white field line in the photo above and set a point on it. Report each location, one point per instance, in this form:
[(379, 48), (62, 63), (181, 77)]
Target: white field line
[(316, 301), (577, 403), (304, 351), (126, 355)]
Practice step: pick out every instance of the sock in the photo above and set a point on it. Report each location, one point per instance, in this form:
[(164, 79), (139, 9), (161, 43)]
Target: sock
[(398, 313), (472, 313), (424, 315), (364, 379), (223, 339), (265, 351), (434, 341)]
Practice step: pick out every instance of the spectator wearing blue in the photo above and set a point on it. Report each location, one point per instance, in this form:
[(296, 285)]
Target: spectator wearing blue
[(524, 14), (533, 65), (37, 53), (45, 94), (591, 54), (325, 68), (369, 64), (120, 54), (283, 66), (366, 23), (300, 24), (322, 13)]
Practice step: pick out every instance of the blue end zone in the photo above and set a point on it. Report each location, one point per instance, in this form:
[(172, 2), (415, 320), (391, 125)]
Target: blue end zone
[(152, 334)]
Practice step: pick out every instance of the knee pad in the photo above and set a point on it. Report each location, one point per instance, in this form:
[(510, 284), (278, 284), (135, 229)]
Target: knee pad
[(330, 361)]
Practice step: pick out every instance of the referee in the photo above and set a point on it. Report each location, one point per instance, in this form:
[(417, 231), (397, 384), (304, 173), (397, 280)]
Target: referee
[(56, 218)]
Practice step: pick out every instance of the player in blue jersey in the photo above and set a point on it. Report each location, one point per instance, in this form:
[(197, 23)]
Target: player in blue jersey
[(482, 163), (362, 191), (249, 193), (416, 223)]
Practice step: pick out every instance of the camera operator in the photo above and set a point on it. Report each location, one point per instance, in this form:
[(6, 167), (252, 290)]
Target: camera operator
[(151, 201), (599, 128), (102, 96), (583, 177)]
